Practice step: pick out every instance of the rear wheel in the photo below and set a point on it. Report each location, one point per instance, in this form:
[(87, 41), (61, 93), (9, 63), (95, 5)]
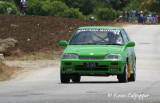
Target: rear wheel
[(65, 78), (133, 76), (123, 78), (76, 78)]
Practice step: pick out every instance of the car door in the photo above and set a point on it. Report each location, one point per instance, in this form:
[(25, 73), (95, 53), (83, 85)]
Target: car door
[(129, 49)]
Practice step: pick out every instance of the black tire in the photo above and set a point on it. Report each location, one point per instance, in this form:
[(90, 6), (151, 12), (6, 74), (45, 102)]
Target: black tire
[(64, 78), (76, 78), (133, 76), (123, 78)]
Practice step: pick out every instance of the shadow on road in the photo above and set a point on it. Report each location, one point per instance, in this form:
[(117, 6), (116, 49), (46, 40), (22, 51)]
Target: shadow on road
[(95, 82), (99, 82)]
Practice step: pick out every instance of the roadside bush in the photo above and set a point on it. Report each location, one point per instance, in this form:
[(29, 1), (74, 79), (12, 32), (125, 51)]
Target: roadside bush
[(119, 13), (4, 6), (10, 1), (107, 14), (54, 8), (33, 7), (73, 13), (57, 8), (85, 6), (46, 8)]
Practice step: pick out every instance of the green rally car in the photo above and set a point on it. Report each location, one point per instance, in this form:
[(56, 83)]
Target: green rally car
[(98, 51)]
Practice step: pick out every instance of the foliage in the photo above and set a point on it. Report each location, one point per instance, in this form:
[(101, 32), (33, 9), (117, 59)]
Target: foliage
[(57, 8), (107, 14), (33, 7), (85, 6), (79, 8), (118, 4), (17, 2), (152, 5), (4, 5), (11, 1), (52, 8), (73, 13), (135, 4)]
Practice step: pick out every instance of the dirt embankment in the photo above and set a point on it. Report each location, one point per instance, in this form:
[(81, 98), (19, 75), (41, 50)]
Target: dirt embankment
[(35, 33), (7, 71)]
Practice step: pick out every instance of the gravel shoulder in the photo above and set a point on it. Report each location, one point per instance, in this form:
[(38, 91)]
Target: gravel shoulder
[(28, 66)]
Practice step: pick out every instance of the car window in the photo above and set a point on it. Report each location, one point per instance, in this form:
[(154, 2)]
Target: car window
[(97, 37), (125, 36)]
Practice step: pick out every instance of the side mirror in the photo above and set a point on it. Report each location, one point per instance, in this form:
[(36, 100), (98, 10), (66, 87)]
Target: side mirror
[(63, 43), (130, 44)]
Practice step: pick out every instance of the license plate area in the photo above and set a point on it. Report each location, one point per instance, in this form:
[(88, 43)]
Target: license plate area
[(90, 65)]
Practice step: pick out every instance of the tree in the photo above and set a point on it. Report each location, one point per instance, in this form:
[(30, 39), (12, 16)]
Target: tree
[(4, 5), (118, 4), (73, 13), (85, 6), (152, 5), (107, 14), (135, 4)]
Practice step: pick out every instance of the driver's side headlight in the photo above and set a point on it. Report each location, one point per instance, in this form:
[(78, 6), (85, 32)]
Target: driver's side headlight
[(69, 56), (113, 56)]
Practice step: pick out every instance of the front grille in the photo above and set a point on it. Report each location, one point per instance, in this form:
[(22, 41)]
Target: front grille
[(91, 57), (99, 68)]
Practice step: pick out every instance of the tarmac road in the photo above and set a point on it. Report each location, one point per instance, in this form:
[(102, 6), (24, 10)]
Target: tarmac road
[(43, 85)]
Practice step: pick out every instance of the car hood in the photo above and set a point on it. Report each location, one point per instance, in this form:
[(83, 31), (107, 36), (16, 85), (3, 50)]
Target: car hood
[(93, 50)]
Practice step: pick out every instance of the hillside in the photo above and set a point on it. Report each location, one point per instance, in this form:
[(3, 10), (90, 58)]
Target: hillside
[(35, 33)]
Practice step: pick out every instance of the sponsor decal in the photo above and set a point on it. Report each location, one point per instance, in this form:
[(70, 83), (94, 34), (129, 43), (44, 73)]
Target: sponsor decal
[(115, 31)]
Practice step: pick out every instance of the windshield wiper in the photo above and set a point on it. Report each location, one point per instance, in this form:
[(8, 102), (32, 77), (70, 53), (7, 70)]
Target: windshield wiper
[(113, 44), (95, 44), (90, 44), (74, 44), (84, 44)]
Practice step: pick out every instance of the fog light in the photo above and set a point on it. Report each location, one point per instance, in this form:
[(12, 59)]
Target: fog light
[(68, 69), (114, 69)]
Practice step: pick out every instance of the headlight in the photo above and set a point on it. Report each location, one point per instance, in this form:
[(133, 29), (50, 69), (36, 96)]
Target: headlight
[(113, 56), (69, 56)]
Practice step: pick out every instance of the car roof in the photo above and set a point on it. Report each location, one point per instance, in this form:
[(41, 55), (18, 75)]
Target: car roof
[(99, 27)]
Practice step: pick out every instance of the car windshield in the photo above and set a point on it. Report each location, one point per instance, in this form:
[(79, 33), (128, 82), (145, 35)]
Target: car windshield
[(97, 37)]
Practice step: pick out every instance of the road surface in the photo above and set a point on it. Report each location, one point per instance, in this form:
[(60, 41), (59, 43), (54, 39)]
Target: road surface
[(43, 85)]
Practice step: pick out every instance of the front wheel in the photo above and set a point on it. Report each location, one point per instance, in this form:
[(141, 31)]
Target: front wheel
[(64, 78), (76, 78), (133, 76), (123, 78)]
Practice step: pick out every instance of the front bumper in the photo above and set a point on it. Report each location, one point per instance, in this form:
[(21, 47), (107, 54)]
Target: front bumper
[(105, 66)]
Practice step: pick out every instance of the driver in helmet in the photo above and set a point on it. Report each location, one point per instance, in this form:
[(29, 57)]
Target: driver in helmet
[(112, 38)]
